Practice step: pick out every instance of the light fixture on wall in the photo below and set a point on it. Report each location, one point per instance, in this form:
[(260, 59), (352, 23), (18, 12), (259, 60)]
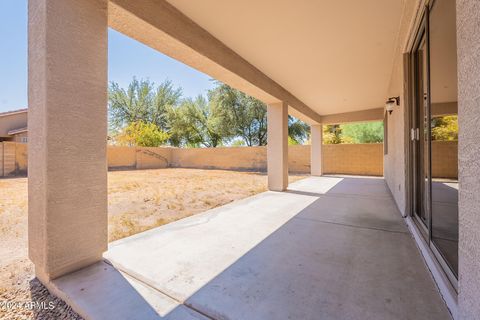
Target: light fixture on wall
[(391, 102)]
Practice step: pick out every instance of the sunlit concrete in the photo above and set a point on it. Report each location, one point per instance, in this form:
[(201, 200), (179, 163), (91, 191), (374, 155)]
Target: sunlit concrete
[(328, 248), (102, 292)]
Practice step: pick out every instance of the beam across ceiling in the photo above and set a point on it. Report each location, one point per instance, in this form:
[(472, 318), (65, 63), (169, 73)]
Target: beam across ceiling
[(161, 26), (355, 116)]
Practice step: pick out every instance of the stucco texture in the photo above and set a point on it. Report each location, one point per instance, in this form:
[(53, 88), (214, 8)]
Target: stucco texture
[(394, 161), (468, 55)]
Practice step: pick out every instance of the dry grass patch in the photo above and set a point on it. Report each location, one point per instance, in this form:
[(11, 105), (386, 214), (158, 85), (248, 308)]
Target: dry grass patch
[(141, 200)]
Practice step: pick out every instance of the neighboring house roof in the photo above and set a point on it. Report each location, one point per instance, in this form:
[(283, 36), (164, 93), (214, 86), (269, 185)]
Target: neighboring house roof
[(8, 113), (17, 131)]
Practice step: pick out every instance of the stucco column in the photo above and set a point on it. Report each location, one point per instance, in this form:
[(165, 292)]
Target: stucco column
[(67, 123), (468, 59), (316, 137), (277, 146)]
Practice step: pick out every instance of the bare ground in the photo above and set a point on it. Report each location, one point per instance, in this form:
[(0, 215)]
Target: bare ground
[(137, 201)]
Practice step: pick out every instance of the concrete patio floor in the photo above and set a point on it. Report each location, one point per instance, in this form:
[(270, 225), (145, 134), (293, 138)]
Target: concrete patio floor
[(329, 248)]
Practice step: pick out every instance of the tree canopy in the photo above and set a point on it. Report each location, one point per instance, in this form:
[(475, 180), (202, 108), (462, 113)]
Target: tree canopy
[(445, 128), (141, 134), (146, 114), (245, 116), (198, 122), (141, 101), (363, 132)]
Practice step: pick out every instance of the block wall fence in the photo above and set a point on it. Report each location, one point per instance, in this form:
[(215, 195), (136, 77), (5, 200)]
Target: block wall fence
[(355, 159)]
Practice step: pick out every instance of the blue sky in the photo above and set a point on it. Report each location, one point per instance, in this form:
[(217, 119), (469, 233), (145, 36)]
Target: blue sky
[(126, 58)]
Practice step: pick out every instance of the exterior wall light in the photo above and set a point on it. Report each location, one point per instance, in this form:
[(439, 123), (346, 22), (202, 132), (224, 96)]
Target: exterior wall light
[(391, 102)]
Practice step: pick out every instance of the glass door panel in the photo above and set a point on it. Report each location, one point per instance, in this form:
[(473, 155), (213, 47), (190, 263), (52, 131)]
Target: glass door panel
[(420, 134), (444, 131)]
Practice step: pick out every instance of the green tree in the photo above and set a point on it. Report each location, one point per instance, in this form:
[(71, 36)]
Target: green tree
[(238, 143), (142, 101), (141, 134), (246, 116), (198, 122), (298, 131), (332, 134), (445, 128), (166, 95), (364, 132)]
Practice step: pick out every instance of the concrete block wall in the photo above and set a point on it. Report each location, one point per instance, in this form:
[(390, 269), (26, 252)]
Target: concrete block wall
[(13, 159), (299, 159), (1, 159), (21, 158), (9, 152), (445, 159), (153, 158), (360, 159), (122, 157), (237, 158)]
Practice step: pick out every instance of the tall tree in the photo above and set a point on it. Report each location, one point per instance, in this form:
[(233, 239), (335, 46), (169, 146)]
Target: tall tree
[(332, 134), (131, 105), (298, 131), (364, 132), (166, 95), (247, 116), (445, 128), (142, 101), (198, 122)]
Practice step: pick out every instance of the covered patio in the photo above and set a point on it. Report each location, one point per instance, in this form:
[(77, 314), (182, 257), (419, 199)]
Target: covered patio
[(327, 248), (322, 248)]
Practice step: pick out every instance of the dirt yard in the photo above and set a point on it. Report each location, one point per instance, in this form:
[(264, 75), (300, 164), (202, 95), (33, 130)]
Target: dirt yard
[(137, 201)]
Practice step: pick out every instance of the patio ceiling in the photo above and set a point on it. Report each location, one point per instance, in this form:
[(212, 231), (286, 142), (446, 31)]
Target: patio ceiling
[(335, 56)]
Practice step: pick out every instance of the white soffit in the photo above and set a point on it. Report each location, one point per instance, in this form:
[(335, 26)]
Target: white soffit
[(335, 56)]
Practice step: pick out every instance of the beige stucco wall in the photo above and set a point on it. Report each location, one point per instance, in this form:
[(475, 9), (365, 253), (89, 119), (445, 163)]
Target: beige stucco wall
[(394, 162), (67, 97), (18, 137), (468, 54)]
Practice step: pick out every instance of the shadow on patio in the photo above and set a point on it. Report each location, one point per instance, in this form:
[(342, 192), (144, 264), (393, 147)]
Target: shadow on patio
[(329, 248)]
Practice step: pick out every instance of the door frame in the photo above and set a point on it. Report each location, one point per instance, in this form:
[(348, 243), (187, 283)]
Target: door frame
[(422, 26)]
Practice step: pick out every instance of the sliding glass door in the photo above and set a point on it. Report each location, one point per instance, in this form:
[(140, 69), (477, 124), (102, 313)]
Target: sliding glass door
[(434, 133), (444, 131)]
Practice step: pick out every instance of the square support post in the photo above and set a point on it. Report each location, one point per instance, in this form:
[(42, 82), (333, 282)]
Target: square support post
[(316, 136), (277, 146), (67, 123)]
